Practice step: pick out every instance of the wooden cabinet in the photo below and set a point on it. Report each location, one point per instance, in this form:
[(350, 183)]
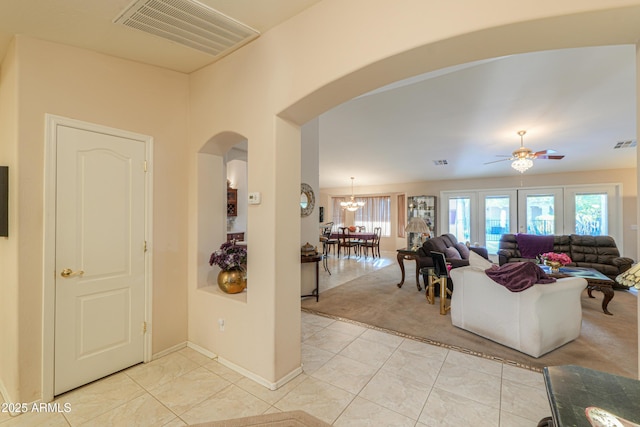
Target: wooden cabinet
[(232, 202)]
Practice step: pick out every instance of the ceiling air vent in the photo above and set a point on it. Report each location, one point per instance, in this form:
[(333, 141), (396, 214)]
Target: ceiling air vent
[(440, 162), (625, 144), (189, 23)]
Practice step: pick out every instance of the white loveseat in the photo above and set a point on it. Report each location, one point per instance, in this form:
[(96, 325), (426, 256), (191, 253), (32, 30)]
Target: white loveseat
[(534, 321)]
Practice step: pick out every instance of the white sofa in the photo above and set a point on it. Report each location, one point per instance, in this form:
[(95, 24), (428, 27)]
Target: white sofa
[(534, 321)]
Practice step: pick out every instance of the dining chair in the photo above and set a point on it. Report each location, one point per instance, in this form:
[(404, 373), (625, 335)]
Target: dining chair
[(325, 238), (345, 241), (374, 244)]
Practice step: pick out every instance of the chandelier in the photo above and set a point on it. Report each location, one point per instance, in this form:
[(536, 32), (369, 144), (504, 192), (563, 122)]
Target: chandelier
[(522, 156), (352, 205), (522, 164)]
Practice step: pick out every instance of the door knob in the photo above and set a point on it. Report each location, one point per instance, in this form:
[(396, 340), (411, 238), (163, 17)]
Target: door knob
[(67, 272)]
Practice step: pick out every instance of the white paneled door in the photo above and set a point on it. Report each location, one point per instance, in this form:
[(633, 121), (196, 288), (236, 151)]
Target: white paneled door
[(99, 255)]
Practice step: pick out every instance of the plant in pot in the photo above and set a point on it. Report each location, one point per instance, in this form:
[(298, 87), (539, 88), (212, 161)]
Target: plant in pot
[(232, 260)]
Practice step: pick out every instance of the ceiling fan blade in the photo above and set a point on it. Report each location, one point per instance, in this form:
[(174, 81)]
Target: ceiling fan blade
[(551, 157), (543, 152)]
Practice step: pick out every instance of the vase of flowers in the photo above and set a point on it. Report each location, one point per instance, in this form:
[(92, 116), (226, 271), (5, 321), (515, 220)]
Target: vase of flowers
[(232, 260), (555, 260)]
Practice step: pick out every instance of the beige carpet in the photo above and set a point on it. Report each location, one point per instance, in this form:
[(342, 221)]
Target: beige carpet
[(607, 343), (281, 419)]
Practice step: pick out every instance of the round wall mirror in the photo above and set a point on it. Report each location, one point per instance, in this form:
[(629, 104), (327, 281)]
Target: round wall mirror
[(307, 199)]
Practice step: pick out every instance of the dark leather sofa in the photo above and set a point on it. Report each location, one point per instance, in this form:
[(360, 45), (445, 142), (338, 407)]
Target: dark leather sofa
[(456, 253), (597, 252)]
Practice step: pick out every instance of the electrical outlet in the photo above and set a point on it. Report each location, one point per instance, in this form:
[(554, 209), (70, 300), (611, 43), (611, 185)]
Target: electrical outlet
[(221, 324)]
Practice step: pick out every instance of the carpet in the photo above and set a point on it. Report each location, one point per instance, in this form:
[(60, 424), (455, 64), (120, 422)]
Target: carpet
[(606, 343), (280, 419)]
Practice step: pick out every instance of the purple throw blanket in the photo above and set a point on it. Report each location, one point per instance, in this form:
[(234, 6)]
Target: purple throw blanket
[(518, 276), (531, 245)]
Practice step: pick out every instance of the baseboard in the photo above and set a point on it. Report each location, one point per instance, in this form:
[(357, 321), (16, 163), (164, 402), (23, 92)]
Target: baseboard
[(169, 350), (268, 384), (201, 350)]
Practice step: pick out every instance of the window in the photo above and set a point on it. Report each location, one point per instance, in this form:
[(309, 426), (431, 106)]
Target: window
[(460, 218), (591, 214), (337, 213), (376, 212)]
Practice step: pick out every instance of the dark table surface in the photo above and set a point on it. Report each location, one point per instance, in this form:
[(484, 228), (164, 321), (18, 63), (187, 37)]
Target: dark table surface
[(571, 389)]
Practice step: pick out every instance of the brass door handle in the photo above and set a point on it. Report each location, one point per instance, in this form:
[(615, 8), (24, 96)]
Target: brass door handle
[(67, 272)]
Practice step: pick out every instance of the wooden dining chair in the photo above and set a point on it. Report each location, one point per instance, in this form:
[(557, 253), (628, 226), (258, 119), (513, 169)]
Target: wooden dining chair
[(374, 243), (327, 241), (345, 241)]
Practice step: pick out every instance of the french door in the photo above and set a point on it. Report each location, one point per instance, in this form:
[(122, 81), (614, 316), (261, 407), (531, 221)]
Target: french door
[(484, 216)]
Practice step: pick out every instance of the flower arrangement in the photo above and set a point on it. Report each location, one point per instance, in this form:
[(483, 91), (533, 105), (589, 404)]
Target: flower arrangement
[(563, 259), (229, 257)]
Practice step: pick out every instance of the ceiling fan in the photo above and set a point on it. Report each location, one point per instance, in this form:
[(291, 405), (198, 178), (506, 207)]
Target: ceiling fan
[(523, 157)]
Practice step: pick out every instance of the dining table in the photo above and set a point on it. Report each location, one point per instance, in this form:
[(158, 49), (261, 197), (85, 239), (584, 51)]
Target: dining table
[(362, 236)]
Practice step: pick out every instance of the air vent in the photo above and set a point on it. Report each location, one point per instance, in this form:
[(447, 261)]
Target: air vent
[(440, 162), (625, 144), (188, 23)]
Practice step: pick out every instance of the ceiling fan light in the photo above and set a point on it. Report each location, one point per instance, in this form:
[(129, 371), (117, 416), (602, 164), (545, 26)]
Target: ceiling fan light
[(522, 164)]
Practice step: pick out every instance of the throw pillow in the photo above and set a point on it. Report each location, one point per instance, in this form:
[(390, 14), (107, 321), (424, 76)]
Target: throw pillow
[(463, 249), (452, 253), (477, 261)]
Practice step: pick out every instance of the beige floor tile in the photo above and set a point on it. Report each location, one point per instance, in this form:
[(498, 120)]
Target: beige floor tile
[(523, 376), (315, 320), (348, 374), (369, 352), (362, 412), (475, 385), (35, 419), (313, 358), (412, 366), (347, 328), (511, 420), (525, 401), (445, 409), (399, 394), (221, 370), (231, 402), (474, 362), (195, 356), (375, 335), (99, 397), (176, 422), (320, 399), (423, 350), (269, 396), (140, 412), (308, 330), (329, 340), (162, 370), (186, 391)]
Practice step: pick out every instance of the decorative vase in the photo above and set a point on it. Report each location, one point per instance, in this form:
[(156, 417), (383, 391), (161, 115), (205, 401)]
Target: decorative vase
[(232, 281), (554, 265)]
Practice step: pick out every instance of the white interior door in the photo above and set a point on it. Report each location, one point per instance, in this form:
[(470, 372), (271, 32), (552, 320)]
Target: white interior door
[(100, 256)]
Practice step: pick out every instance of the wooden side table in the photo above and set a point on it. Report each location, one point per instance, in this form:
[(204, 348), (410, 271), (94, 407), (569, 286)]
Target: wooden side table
[(313, 258), (409, 254)]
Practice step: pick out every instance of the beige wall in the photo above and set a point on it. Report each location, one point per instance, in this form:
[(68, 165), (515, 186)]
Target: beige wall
[(9, 331), (122, 94), (264, 92), (626, 177), (293, 73)]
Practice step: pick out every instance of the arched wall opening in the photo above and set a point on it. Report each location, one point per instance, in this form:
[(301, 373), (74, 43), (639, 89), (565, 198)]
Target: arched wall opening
[(322, 73)]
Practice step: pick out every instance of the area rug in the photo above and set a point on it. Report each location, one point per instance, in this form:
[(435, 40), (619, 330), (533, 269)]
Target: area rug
[(606, 343), (280, 419)]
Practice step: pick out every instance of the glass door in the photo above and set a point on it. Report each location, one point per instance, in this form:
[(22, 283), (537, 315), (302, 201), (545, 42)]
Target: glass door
[(498, 215), (540, 211)]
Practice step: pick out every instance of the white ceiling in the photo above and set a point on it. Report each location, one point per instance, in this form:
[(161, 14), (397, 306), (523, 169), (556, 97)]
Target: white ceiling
[(580, 102)]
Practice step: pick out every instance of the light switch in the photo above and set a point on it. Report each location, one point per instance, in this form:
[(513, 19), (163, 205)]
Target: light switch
[(254, 198)]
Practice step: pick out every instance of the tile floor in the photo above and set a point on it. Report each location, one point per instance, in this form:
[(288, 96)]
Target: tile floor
[(353, 376)]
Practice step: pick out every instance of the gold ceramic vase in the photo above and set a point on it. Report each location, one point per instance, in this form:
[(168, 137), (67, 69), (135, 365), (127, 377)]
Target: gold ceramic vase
[(232, 281), (554, 265)]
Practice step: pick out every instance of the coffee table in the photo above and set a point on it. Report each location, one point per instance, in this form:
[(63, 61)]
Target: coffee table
[(595, 281)]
